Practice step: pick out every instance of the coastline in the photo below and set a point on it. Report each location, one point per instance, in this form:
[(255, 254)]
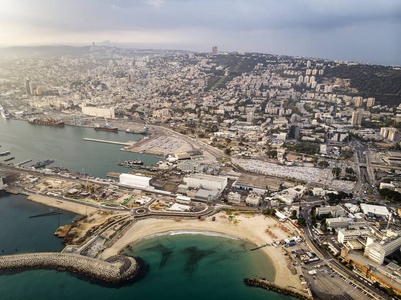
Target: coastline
[(82, 210), (248, 228)]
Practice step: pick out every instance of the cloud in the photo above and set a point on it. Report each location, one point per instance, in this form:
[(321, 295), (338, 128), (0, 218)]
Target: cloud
[(288, 27)]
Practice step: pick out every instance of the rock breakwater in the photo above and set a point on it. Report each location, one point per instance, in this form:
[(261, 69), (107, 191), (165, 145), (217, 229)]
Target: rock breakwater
[(267, 285), (115, 269)]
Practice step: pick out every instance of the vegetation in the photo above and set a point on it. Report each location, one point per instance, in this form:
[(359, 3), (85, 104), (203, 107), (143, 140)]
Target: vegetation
[(336, 171), (380, 82), (390, 195), (323, 164), (303, 147)]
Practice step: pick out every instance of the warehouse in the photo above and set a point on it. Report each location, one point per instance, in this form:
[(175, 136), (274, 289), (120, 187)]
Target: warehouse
[(134, 181), (208, 182)]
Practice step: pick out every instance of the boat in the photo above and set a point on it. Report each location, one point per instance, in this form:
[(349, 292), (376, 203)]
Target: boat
[(5, 153), (5, 114), (42, 164), (131, 163), (49, 122), (107, 127)]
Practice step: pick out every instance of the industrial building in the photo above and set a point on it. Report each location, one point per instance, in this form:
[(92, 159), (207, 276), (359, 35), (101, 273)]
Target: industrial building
[(99, 111), (375, 210), (134, 181), (253, 199), (335, 211), (208, 182)]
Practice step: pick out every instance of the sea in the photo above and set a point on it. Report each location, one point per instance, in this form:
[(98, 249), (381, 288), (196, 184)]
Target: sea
[(175, 265)]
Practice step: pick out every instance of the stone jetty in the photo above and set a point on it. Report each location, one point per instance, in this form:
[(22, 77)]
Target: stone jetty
[(267, 285), (115, 269)]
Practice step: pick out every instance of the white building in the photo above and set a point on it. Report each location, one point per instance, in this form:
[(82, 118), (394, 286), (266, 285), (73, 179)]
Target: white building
[(253, 199), (335, 211), (377, 251), (234, 197), (339, 222), (99, 111), (347, 235), (207, 182), (134, 181), (374, 209)]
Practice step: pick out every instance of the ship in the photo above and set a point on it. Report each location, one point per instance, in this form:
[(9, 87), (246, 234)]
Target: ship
[(48, 122), (131, 163), (41, 164), (107, 127), (5, 114)]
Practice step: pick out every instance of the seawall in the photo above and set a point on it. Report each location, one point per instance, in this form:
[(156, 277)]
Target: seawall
[(267, 285), (115, 269)]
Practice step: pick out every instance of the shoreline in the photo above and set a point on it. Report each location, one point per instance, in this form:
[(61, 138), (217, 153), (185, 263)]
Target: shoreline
[(79, 209), (250, 229)]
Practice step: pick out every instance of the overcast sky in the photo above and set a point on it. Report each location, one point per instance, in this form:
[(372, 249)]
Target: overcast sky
[(353, 30)]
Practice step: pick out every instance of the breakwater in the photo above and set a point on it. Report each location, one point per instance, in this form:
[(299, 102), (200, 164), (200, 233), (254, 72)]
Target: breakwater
[(267, 285), (115, 269)]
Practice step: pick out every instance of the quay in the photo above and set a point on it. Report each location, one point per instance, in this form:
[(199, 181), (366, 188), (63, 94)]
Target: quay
[(24, 162), (115, 269), (107, 142)]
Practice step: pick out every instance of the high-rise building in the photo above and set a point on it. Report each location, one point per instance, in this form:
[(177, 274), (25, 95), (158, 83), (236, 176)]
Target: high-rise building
[(371, 102), (293, 133), (358, 101), (308, 64), (214, 50), (28, 87), (130, 78), (356, 118)]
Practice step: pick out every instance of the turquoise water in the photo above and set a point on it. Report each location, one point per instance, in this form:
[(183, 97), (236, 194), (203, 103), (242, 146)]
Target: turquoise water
[(66, 146)]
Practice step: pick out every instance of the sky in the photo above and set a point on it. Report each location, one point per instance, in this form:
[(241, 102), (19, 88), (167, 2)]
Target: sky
[(351, 30)]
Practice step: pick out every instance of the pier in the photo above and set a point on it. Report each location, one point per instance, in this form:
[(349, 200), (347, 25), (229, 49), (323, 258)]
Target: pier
[(24, 162), (115, 269), (107, 142)]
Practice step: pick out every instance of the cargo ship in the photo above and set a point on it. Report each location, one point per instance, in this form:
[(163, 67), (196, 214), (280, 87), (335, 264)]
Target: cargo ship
[(131, 164), (107, 127), (48, 122)]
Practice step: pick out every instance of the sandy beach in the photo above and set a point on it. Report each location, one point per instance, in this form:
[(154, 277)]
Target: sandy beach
[(249, 228), (76, 208)]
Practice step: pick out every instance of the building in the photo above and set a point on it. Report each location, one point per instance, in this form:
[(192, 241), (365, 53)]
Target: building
[(253, 199), (370, 102), (215, 50), (28, 87), (207, 195), (318, 192), (374, 210), (134, 181), (339, 222), (356, 118), (99, 112), (358, 101), (234, 197), (348, 235), (293, 132), (209, 182), (335, 211), (378, 250), (393, 134), (2, 185), (387, 276)]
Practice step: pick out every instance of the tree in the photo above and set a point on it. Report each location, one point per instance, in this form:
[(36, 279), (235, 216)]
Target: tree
[(323, 164), (301, 221), (228, 140), (349, 170), (227, 151), (336, 171), (293, 215)]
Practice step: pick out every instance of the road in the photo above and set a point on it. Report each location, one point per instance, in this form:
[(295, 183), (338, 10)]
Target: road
[(323, 254)]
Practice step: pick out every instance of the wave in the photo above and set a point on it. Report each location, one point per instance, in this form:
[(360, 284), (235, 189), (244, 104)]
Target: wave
[(191, 232)]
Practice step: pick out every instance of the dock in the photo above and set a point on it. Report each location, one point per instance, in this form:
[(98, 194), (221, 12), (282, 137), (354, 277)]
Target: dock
[(24, 162), (113, 175), (8, 159), (107, 142)]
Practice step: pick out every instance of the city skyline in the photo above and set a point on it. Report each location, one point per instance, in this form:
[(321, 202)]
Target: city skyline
[(362, 31)]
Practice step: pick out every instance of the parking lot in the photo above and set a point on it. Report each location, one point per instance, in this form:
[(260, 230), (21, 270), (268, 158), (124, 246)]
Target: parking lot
[(327, 283)]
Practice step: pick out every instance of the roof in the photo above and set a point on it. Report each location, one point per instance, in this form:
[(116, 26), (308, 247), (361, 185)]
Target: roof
[(374, 209), (206, 193)]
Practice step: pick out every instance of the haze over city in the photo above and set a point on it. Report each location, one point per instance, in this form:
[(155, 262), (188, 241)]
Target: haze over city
[(358, 30)]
